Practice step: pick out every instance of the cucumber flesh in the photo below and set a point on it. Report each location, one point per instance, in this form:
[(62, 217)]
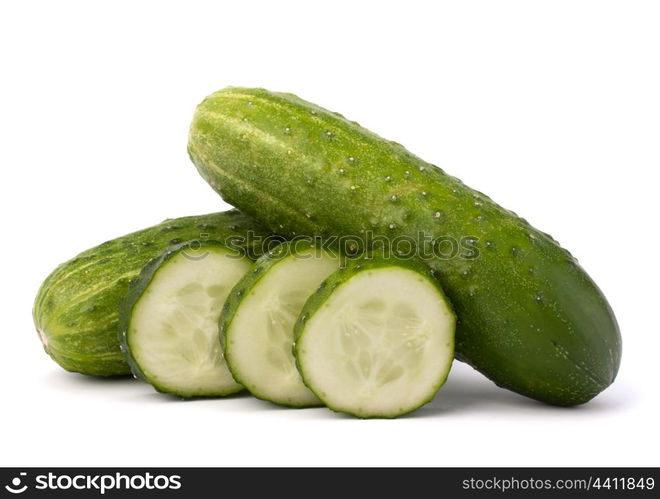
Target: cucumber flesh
[(171, 336), (380, 344), (260, 317)]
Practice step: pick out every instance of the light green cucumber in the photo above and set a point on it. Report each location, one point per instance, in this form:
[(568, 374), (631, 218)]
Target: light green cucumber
[(530, 318), (259, 315), (76, 311), (377, 338), (169, 320)]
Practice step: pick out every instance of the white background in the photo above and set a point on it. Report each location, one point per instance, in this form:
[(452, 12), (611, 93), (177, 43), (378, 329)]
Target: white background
[(552, 108)]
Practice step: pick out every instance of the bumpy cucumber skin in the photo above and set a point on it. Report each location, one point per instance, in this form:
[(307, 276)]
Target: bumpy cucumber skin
[(135, 291), (350, 269), (76, 311), (243, 289), (530, 318)]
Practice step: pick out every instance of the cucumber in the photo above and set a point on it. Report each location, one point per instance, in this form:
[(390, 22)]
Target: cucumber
[(76, 311), (377, 339), (530, 318), (169, 320), (258, 319)]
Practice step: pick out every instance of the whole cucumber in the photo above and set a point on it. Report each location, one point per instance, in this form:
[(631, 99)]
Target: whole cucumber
[(530, 318), (76, 311)]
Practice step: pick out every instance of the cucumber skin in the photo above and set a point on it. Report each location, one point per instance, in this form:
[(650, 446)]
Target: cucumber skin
[(530, 318), (80, 331), (243, 288), (350, 269), (135, 291)]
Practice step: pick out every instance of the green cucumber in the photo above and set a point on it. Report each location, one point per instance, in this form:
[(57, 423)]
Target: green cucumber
[(530, 318), (76, 311), (377, 338), (169, 320), (258, 319)]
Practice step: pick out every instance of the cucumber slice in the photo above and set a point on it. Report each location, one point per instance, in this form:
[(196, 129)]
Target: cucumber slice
[(377, 340), (259, 316), (170, 320)]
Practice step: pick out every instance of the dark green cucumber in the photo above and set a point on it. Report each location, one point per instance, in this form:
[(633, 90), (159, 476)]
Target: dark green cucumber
[(530, 318), (76, 311), (376, 340)]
